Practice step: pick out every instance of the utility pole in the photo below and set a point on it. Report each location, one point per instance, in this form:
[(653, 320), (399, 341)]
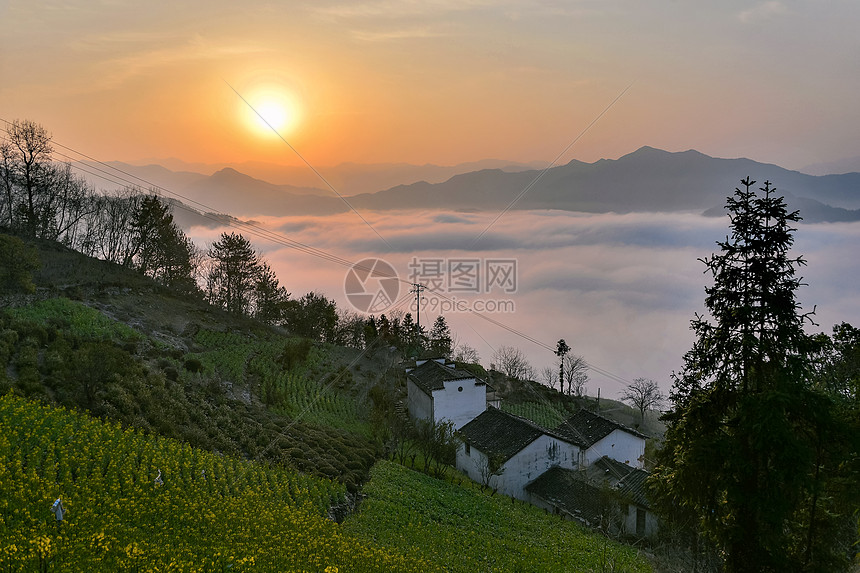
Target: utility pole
[(560, 351), (418, 288)]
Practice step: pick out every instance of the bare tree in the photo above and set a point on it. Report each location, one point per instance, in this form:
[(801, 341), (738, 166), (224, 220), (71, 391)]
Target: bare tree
[(644, 394), (109, 233), (69, 202), (7, 180), (488, 467), (575, 374), (548, 376), (29, 154), (350, 328), (464, 353), (513, 363)]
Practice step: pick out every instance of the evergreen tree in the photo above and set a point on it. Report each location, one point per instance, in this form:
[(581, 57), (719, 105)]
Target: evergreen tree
[(270, 298), (234, 273), (313, 316), (162, 250), (370, 331), (384, 329), (826, 526), (739, 446), (411, 337), (440, 338)]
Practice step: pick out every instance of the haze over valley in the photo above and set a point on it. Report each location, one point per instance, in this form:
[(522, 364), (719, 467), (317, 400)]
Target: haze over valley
[(606, 252)]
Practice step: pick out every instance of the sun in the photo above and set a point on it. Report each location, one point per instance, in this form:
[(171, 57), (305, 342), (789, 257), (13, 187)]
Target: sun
[(270, 111)]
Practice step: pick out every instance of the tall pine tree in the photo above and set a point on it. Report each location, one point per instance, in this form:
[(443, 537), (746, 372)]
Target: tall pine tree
[(440, 338), (739, 446), (234, 273)]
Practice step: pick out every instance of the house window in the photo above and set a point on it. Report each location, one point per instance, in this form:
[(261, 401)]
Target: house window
[(468, 450)]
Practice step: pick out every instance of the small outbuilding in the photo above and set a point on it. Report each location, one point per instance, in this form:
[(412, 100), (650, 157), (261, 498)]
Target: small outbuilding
[(505, 452), (438, 391), (608, 495)]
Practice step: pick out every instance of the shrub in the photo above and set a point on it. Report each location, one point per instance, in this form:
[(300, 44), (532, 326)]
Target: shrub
[(17, 263)]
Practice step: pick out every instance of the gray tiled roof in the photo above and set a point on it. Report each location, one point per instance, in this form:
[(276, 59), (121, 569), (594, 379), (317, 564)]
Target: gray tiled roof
[(571, 492), (625, 479), (588, 428), (498, 433), (432, 376), (634, 485), (611, 469), (582, 496)]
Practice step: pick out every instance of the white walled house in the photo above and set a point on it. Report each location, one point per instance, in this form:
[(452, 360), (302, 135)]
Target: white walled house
[(638, 520), (566, 470), (601, 437), (438, 392), (606, 494), (506, 452)]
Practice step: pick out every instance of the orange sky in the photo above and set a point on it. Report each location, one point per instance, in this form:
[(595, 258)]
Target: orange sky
[(451, 81), (437, 82)]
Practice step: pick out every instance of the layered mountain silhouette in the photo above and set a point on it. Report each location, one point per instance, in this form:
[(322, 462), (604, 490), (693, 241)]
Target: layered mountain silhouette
[(647, 180)]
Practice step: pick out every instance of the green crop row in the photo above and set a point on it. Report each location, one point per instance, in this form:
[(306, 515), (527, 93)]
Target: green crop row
[(302, 389), (83, 321), (461, 529), (546, 415), (140, 503)]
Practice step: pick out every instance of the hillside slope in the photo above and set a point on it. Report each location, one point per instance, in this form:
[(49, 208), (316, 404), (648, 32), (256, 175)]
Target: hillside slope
[(280, 427), (103, 339), (143, 503)]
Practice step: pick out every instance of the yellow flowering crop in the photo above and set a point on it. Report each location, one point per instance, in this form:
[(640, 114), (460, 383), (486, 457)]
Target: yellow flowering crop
[(210, 512)]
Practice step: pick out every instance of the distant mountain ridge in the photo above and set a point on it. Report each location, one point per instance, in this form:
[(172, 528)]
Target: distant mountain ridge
[(347, 178), (646, 180)]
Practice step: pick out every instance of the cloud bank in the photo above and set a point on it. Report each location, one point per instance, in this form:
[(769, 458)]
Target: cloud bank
[(620, 289)]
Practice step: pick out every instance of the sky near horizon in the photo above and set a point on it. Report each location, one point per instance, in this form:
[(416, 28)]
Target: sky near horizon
[(438, 82), (445, 82)]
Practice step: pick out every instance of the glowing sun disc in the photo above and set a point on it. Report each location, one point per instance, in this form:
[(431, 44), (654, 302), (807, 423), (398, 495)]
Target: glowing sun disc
[(270, 114)]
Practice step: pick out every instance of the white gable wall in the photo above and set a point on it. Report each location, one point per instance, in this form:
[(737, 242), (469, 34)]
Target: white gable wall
[(460, 402), (620, 446), (629, 522), (473, 463), (524, 467), (420, 404)]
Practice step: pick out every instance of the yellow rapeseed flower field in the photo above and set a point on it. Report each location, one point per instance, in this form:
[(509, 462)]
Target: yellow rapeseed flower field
[(141, 503)]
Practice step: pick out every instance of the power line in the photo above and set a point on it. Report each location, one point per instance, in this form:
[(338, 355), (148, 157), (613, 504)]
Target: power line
[(129, 179)]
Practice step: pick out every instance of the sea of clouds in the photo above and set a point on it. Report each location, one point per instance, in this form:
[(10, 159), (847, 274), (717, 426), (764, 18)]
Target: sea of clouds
[(620, 289)]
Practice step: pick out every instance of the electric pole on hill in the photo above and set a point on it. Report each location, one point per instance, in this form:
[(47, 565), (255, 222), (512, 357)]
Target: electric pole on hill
[(418, 288), (560, 351)]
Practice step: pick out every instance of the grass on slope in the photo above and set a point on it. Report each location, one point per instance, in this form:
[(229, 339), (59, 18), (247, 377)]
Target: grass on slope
[(210, 513), (66, 353), (545, 414), (461, 529)]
